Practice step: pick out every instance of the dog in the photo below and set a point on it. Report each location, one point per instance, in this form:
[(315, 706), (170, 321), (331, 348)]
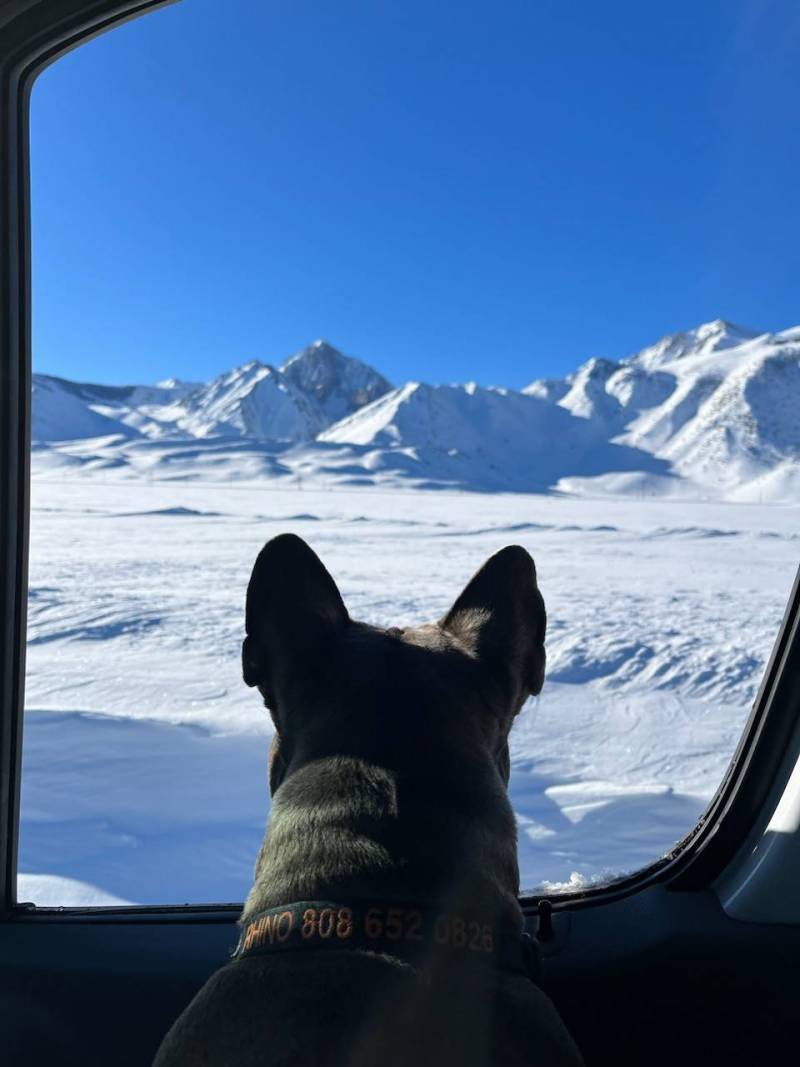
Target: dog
[(383, 928)]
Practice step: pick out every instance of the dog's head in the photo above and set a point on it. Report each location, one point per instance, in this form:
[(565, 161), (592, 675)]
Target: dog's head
[(408, 699)]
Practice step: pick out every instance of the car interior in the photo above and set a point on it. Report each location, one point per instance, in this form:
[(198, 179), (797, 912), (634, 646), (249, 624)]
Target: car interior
[(692, 960)]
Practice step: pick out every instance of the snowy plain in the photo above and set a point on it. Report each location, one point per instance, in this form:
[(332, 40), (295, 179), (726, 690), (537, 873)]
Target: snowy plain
[(144, 757)]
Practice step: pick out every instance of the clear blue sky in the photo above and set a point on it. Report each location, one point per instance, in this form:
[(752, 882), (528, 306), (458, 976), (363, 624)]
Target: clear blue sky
[(451, 191)]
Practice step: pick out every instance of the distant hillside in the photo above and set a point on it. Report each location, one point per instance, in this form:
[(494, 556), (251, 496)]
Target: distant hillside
[(708, 411)]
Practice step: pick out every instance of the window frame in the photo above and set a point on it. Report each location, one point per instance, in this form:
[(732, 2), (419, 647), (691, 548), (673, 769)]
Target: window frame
[(34, 34)]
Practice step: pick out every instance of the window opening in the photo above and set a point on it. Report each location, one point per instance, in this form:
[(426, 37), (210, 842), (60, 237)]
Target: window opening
[(494, 221)]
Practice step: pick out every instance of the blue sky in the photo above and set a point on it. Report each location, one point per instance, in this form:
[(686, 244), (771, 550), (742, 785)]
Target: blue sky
[(449, 191)]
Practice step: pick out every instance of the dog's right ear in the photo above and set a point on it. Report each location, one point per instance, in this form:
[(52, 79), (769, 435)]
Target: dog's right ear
[(293, 607), (501, 616)]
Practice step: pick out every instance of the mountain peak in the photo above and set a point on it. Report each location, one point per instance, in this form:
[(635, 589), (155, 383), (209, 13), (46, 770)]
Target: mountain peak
[(250, 365), (720, 333), (317, 350), (337, 383), (596, 367), (723, 326), (708, 338), (176, 384)]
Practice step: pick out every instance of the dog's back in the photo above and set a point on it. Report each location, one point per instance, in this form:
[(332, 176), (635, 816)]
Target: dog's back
[(388, 770), (365, 1010)]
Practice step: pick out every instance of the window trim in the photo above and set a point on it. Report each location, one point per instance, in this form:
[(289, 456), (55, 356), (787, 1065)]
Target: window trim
[(35, 33)]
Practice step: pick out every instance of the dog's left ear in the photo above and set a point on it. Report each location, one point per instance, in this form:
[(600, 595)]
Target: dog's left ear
[(501, 616), (293, 608)]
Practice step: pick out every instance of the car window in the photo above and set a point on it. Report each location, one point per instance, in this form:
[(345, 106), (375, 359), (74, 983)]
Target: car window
[(413, 284)]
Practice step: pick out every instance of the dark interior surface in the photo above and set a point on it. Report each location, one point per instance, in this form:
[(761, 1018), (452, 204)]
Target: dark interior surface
[(666, 977), (657, 978)]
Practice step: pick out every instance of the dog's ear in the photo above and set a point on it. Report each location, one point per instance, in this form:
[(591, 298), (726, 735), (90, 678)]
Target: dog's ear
[(501, 617), (293, 606)]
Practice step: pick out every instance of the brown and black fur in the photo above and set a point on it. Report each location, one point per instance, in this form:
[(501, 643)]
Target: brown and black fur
[(388, 770)]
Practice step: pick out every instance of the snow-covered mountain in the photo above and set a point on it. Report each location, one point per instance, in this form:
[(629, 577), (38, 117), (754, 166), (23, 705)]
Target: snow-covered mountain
[(708, 411), (487, 438), (312, 389), (719, 403), (254, 401)]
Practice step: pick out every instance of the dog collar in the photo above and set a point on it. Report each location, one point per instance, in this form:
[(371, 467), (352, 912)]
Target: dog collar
[(410, 932)]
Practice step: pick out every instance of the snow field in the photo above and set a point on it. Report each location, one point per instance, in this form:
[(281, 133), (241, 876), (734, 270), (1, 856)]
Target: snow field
[(144, 773)]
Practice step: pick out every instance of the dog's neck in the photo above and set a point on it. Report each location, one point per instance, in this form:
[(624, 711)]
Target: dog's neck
[(344, 830)]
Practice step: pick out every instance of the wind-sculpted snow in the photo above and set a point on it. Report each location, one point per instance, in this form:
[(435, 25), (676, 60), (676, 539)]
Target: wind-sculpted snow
[(145, 755), (709, 412)]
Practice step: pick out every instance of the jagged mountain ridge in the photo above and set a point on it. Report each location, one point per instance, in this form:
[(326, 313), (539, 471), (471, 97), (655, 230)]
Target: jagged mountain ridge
[(717, 402), (710, 409), (291, 403)]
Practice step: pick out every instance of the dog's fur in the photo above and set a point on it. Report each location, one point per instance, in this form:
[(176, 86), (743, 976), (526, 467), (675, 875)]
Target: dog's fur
[(388, 770)]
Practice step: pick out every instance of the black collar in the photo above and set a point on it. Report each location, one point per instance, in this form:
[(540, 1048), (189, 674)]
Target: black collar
[(411, 932)]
